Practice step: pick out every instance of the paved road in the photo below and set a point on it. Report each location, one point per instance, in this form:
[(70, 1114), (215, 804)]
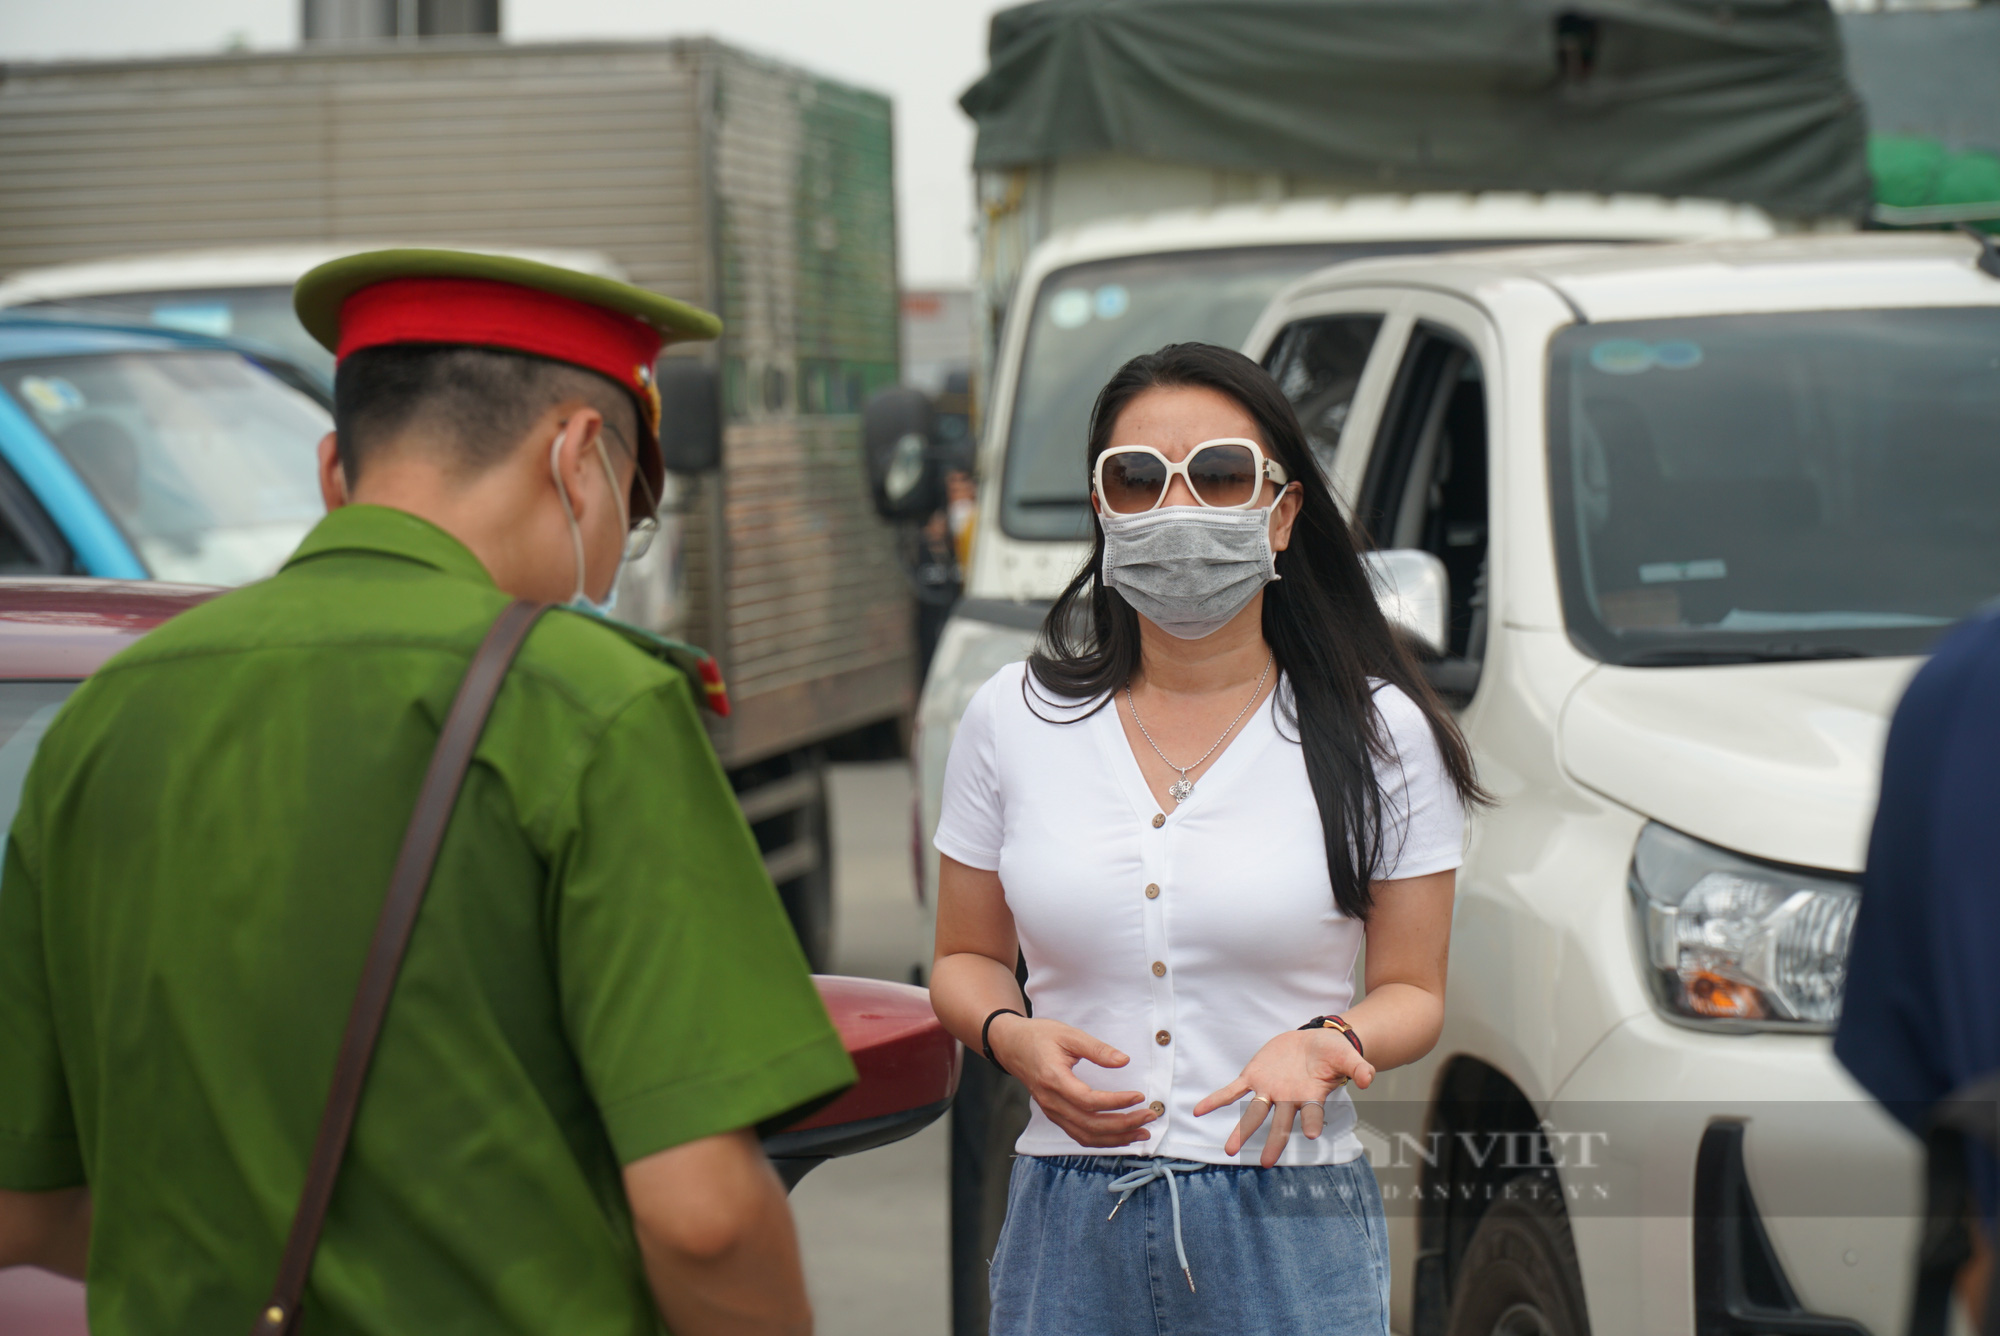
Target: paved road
[(873, 1226)]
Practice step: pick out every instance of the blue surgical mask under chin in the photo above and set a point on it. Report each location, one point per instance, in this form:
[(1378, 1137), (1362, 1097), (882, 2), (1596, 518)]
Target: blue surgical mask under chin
[(581, 600)]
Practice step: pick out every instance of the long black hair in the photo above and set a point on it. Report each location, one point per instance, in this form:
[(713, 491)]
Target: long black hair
[(1321, 620)]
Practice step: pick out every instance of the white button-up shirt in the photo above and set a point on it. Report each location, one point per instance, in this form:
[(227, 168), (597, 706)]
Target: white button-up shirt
[(1186, 936)]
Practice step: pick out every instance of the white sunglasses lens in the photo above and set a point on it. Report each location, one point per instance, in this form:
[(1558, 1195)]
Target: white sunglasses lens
[(1223, 475), (1133, 481)]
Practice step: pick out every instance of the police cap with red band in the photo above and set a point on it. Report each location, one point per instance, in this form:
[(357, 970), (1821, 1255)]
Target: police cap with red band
[(507, 303)]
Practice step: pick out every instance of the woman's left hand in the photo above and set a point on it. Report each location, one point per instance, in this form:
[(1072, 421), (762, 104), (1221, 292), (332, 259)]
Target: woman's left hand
[(1297, 1070)]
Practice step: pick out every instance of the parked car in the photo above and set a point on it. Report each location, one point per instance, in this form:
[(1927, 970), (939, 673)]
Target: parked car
[(147, 451), (55, 632), (134, 453)]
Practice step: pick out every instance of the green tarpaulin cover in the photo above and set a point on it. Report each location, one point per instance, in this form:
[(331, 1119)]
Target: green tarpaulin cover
[(1922, 173), (1931, 83), (1745, 100)]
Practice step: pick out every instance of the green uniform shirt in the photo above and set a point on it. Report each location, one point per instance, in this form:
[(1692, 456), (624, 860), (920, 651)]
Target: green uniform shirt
[(601, 970)]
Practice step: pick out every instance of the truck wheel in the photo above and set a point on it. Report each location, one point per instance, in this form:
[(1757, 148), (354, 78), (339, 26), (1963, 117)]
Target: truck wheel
[(808, 898), (1519, 1276), (784, 800)]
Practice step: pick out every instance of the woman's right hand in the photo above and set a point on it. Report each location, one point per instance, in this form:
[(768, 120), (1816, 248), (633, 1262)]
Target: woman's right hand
[(1043, 1054)]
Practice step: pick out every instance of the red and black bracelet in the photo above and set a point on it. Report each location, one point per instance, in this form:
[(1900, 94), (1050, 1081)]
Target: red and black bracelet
[(1336, 1023)]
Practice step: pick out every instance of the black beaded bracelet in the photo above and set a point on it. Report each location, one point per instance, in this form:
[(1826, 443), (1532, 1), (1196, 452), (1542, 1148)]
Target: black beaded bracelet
[(986, 1043)]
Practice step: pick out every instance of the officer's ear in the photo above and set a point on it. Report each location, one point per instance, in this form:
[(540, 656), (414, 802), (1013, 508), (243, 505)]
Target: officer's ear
[(576, 463), (332, 478)]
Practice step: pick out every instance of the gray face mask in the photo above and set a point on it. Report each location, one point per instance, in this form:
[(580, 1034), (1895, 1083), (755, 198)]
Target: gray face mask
[(1188, 569)]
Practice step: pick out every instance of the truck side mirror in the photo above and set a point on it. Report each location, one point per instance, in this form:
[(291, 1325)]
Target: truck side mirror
[(690, 415), (898, 427), (1414, 593)]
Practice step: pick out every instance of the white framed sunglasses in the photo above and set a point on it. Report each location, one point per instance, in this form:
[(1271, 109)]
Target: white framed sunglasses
[(1227, 473)]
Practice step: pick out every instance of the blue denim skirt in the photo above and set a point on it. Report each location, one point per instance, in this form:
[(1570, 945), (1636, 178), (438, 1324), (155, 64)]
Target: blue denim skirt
[(1291, 1251)]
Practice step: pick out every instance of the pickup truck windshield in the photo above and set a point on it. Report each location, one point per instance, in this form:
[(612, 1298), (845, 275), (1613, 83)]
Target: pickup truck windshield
[(204, 459), (1088, 320), (1765, 487)]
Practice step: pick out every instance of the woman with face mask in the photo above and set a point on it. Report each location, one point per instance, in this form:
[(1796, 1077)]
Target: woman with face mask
[(1217, 777)]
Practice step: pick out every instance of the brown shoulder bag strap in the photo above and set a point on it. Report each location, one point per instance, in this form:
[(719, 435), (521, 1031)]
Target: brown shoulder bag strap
[(435, 801)]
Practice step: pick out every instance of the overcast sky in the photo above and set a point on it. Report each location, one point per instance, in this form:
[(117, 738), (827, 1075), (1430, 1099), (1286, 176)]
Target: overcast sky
[(923, 53)]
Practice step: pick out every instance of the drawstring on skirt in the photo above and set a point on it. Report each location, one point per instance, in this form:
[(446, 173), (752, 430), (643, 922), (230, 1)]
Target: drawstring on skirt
[(1125, 1185)]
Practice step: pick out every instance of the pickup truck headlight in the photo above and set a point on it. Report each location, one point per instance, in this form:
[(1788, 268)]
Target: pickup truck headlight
[(1738, 943)]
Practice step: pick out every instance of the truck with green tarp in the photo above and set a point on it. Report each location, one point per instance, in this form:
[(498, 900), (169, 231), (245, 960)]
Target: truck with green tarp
[(1157, 170)]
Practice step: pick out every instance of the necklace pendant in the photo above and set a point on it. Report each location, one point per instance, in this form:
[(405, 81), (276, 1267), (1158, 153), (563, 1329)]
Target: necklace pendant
[(1181, 788)]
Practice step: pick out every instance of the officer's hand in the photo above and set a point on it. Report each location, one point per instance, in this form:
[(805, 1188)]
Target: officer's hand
[(1044, 1054)]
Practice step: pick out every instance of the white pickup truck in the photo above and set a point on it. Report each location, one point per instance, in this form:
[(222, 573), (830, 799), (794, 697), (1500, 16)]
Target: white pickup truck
[(1689, 516), (1087, 298)]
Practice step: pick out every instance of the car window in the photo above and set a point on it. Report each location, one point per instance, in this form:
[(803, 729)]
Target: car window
[(1318, 363), (15, 556), (260, 315), (29, 543), (1426, 485), (202, 457), (25, 711), (1747, 487)]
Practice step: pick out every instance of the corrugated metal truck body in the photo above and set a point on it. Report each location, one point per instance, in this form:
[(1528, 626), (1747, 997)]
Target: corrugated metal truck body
[(758, 190), (755, 189)]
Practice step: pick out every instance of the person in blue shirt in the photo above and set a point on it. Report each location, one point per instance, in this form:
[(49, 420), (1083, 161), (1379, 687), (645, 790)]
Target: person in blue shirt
[(1922, 1012)]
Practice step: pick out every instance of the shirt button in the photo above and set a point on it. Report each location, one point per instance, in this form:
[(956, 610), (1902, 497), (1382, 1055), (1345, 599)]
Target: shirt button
[(1159, 969), (1152, 892), (1159, 819), (1157, 1108), (1163, 1039)]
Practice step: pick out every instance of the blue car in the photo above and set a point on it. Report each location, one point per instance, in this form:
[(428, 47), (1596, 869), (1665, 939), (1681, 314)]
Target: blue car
[(152, 454)]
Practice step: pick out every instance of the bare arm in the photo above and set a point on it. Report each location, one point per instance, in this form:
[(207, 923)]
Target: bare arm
[(972, 976), (1409, 937), (1409, 943), (716, 1234), (46, 1229)]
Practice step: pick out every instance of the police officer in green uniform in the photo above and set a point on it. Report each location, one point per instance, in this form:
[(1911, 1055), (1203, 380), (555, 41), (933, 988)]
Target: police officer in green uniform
[(602, 999)]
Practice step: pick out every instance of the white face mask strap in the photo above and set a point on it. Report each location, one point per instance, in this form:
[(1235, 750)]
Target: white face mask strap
[(569, 511)]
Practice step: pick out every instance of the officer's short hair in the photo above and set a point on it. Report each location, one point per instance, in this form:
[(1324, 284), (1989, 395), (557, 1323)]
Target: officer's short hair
[(476, 401)]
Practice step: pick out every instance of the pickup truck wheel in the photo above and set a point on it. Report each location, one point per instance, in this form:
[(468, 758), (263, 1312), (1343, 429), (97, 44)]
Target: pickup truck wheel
[(1519, 1276)]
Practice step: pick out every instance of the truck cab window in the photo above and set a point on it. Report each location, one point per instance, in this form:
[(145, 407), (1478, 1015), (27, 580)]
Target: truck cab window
[(1318, 364), (1425, 486)]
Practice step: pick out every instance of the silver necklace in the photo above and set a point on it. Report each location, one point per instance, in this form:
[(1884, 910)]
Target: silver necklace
[(1184, 786)]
